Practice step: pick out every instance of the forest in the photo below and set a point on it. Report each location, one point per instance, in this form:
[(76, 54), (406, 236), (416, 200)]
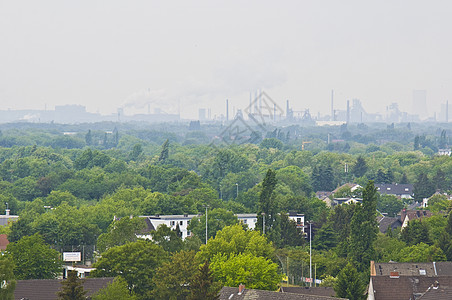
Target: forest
[(83, 187)]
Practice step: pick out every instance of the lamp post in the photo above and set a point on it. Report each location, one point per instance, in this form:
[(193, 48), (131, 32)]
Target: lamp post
[(206, 206), (263, 223), (237, 185), (310, 253)]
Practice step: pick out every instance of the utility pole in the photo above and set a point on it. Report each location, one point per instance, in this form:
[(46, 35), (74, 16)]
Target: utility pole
[(237, 185), (206, 206), (310, 252), (263, 223)]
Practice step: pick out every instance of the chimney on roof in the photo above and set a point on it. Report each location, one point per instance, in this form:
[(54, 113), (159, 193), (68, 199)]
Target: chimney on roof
[(241, 288), (373, 272), (7, 211)]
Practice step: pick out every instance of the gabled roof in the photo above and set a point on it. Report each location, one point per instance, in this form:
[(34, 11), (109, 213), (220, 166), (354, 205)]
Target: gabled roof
[(404, 287), (46, 289), (232, 293), (442, 268), (384, 223), (395, 189), (437, 292), (306, 290)]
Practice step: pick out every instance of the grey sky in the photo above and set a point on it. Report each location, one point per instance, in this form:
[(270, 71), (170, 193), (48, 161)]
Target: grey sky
[(108, 54)]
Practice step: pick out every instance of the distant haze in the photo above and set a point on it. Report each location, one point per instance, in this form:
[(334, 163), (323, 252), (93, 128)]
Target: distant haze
[(184, 55)]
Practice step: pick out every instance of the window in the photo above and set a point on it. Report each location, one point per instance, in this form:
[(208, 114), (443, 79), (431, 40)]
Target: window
[(181, 223), (188, 222), (388, 188), (406, 189), (172, 223), (244, 221), (298, 220)]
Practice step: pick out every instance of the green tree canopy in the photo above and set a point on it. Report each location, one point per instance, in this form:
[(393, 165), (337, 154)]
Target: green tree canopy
[(33, 259), (72, 288), (136, 262)]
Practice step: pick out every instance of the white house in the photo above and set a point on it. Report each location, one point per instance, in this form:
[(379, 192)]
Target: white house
[(248, 219), (169, 220)]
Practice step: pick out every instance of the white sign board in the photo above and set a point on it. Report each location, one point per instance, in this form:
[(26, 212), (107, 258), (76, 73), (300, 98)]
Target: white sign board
[(72, 256)]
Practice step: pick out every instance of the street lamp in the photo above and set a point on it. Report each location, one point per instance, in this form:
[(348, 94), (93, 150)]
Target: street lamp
[(237, 189), (263, 223), (310, 252), (206, 206)]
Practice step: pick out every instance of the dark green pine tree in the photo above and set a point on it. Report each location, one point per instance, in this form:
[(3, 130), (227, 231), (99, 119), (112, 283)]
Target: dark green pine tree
[(349, 284), (404, 179), (364, 229), (360, 167), (423, 188), (203, 286), (267, 201), (165, 151), (72, 288), (389, 176), (381, 176), (89, 138), (440, 181), (326, 237), (445, 239)]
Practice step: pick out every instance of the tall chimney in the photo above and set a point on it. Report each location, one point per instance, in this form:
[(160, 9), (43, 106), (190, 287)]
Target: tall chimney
[(447, 111), (348, 111), (7, 211), (332, 105), (227, 110)]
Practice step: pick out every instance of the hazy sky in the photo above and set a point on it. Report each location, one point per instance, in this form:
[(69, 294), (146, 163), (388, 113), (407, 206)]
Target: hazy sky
[(190, 54)]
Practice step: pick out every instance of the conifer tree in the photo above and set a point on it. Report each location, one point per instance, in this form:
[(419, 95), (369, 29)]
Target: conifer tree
[(360, 167), (72, 288), (364, 229), (165, 151), (349, 284), (203, 286)]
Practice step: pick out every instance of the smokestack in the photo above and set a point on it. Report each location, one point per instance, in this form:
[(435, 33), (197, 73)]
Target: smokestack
[(287, 109), (332, 105), (227, 110), (447, 111), (348, 111)]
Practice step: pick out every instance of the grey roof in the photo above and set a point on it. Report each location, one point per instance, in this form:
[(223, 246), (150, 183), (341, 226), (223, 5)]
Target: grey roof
[(232, 293), (437, 292), (395, 189), (443, 268), (384, 223), (306, 290), (405, 287), (46, 289)]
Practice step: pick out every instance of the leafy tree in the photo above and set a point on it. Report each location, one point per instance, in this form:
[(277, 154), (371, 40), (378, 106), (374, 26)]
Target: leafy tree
[(19, 229), (89, 138), (364, 229), (349, 284), (72, 288), (235, 240), (173, 279), (389, 204), (271, 143), (33, 259), (168, 239), (290, 234), (120, 232), (217, 219), (255, 272), (326, 237), (7, 279), (323, 178), (445, 240), (203, 285), (421, 253), (360, 167), (136, 262), (416, 232), (117, 290)]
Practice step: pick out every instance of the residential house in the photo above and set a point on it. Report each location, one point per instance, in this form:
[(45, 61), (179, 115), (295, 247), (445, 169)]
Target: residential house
[(241, 293), (409, 215), (183, 221), (306, 290), (446, 152), (385, 223), (347, 200), (47, 289), (403, 191), (407, 281), (7, 218)]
